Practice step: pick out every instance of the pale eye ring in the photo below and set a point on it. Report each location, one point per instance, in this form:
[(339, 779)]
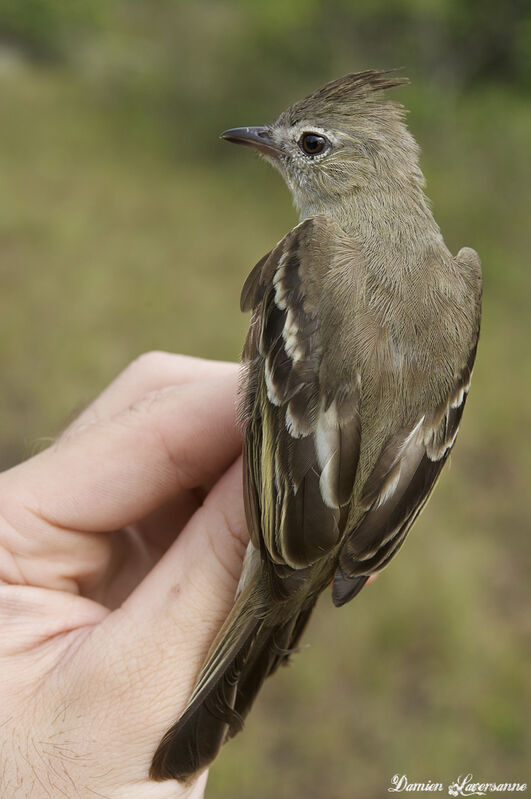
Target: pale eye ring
[(312, 143)]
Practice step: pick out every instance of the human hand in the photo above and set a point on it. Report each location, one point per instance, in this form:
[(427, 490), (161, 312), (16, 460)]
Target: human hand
[(120, 551)]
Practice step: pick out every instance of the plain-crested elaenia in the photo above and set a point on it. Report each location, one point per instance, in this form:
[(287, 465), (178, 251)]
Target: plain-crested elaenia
[(357, 365)]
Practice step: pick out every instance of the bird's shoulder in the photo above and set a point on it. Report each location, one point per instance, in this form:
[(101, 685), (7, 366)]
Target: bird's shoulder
[(468, 263), (307, 252), (468, 258)]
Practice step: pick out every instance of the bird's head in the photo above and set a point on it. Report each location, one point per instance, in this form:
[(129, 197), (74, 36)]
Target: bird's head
[(341, 139)]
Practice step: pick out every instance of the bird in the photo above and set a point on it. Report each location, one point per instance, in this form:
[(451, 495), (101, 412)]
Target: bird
[(356, 370)]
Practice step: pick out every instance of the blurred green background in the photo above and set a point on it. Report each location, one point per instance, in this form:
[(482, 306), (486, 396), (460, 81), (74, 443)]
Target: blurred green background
[(125, 225)]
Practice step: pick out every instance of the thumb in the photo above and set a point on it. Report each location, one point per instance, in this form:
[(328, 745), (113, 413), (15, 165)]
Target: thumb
[(158, 640)]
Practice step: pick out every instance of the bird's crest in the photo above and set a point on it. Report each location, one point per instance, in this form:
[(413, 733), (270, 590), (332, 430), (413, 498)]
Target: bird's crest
[(345, 95)]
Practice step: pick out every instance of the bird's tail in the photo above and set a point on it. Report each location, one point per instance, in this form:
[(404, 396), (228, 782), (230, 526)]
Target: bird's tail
[(248, 648)]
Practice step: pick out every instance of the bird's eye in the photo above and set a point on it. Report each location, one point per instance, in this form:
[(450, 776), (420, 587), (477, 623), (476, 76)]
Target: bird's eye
[(312, 143)]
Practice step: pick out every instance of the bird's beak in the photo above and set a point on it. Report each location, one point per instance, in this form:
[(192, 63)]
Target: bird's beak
[(258, 138)]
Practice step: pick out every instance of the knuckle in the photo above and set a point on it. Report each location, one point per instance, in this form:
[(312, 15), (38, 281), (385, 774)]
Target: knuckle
[(147, 404), (147, 417), (148, 363)]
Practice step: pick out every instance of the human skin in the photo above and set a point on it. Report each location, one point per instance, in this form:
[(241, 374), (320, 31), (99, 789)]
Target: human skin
[(120, 551)]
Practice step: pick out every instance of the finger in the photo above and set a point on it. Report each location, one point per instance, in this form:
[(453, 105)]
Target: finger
[(194, 791), (112, 473), (150, 372), (31, 616), (197, 791), (164, 629)]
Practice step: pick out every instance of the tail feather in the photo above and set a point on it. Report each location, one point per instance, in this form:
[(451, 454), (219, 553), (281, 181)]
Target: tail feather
[(226, 689), (265, 657), (194, 740)]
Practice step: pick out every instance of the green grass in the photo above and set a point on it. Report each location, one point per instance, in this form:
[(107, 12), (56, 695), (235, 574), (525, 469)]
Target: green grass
[(113, 242)]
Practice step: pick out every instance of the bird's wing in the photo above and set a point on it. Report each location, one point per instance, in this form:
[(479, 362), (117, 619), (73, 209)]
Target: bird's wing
[(405, 473), (301, 453), (302, 432)]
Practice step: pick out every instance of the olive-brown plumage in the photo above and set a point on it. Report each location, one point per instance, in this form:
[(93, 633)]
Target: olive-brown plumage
[(356, 370)]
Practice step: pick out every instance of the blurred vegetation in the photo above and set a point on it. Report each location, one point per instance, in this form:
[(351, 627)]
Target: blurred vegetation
[(125, 226)]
